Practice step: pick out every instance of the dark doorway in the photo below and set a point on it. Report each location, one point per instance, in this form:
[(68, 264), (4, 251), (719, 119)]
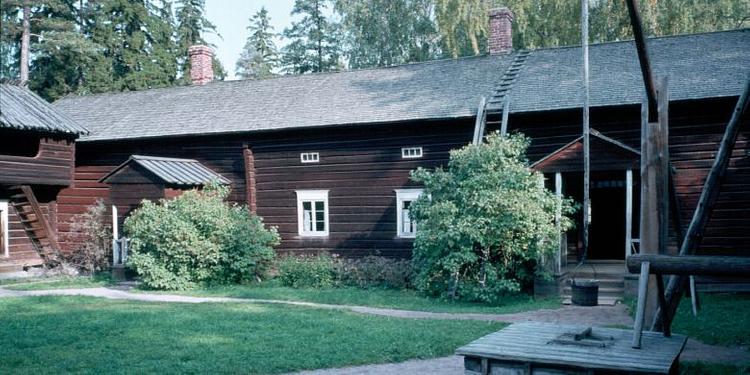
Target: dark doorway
[(607, 228)]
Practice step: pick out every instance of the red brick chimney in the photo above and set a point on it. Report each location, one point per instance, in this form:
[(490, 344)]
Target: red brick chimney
[(501, 35), (201, 64)]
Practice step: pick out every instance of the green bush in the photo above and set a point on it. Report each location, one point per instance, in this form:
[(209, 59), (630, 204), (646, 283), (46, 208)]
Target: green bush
[(307, 271), (374, 272), (198, 238), (484, 221)]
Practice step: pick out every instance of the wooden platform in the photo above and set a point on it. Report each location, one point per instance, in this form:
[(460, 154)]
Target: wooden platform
[(530, 348)]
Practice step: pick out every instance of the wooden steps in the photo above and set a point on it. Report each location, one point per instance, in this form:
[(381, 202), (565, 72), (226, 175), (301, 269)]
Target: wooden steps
[(37, 228)]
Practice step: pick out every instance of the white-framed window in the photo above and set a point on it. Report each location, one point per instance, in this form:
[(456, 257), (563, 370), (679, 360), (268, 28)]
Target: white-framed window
[(312, 213), (4, 242), (405, 226), (411, 152), (309, 157)]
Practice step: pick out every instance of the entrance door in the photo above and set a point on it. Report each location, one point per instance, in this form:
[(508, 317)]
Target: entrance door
[(607, 228)]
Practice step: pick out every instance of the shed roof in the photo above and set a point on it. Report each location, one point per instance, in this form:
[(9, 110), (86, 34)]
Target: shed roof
[(607, 154), (22, 109), (173, 171), (699, 66)]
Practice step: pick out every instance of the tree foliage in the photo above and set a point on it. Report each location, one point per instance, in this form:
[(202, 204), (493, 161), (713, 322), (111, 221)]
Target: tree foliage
[(313, 40), (259, 56), (198, 238), (387, 32), (191, 25), (484, 221)]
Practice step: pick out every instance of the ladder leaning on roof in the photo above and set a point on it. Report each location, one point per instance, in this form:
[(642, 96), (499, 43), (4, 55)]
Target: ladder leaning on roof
[(499, 103)]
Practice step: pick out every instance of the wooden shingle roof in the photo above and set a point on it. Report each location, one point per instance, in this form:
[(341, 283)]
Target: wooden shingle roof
[(22, 109), (699, 66)]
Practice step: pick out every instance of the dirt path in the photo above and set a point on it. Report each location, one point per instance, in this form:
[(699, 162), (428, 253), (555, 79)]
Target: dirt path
[(600, 316)]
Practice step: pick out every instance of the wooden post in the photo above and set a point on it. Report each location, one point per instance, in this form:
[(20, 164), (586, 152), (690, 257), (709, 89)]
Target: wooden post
[(586, 126), (640, 45), (506, 112), (562, 251), (479, 123), (710, 193), (649, 224), (640, 312), (628, 211), (250, 190)]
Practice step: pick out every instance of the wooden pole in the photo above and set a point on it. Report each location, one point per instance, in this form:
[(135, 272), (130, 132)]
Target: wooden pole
[(558, 217), (649, 224), (479, 123), (628, 211), (25, 43), (662, 170), (640, 45), (702, 265), (710, 193), (586, 126), (504, 122), (640, 311)]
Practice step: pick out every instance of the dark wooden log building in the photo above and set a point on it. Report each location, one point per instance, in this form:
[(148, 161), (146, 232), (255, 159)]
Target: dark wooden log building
[(326, 157), (37, 152)]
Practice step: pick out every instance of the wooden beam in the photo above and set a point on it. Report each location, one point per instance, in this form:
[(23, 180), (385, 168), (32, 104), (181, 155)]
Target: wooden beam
[(661, 137), (251, 195), (640, 311), (506, 112), (707, 200), (586, 128), (643, 58), (649, 224), (561, 250), (479, 123), (706, 265)]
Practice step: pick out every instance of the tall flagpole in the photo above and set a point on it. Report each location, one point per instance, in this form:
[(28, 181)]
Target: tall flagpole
[(586, 166)]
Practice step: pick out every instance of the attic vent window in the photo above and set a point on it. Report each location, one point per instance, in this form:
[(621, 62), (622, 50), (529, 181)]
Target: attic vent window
[(309, 157), (411, 152)]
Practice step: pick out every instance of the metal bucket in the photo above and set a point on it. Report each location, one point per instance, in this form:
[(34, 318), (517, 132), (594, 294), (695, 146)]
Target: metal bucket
[(585, 292)]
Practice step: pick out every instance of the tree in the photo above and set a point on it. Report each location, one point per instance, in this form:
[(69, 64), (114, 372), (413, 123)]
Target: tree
[(10, 38), (259, 57), (484, 221), (463, 26), (403, 31), (313, 45), (191, 24)]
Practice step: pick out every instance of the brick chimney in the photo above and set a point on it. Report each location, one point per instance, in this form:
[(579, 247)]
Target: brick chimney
[(501, 35), (201, 64)]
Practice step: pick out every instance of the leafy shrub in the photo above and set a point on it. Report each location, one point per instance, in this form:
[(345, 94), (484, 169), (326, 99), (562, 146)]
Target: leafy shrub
[(307, 271), (484, 221), (374, 271), (92, 234), (196, 238)]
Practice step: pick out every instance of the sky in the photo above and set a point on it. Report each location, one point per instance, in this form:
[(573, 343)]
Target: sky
[(231, 18)]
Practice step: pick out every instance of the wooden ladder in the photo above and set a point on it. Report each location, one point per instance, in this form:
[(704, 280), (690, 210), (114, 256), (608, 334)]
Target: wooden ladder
[(37, 228)]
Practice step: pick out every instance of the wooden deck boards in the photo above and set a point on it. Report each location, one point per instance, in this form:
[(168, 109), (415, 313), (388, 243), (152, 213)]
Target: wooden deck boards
[(531, 343)]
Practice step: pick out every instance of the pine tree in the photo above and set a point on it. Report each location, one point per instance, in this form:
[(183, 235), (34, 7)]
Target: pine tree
[(403, 31), (259, 57), (313, 45), (191, 24), (10, 38)]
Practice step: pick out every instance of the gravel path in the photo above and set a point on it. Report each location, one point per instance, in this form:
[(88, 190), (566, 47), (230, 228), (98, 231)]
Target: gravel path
[(599, 315)]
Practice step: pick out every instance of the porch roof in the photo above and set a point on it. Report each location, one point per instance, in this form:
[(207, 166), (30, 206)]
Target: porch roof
[(606, 154)]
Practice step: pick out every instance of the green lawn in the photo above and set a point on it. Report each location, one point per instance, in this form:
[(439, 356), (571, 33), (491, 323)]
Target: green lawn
[(60, 282), (386, 298), (89, 335), (724, 319)]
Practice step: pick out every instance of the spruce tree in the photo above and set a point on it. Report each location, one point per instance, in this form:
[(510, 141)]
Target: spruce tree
[(314, 40), (259, 57)]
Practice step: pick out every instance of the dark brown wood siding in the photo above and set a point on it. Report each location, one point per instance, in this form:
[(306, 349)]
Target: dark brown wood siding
[(52, 163), (362, 166)]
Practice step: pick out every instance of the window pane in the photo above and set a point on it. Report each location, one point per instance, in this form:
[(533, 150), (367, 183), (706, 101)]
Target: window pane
[(319, 216), (319, 205), (406, 221), (307, 206), (320, 226), (307, 220), (405, 205)]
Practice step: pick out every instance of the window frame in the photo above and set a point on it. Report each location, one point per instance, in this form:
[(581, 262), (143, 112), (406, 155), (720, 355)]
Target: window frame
[(4, 206), (312, 196), (315, 159), (417, 155), (405, 195)]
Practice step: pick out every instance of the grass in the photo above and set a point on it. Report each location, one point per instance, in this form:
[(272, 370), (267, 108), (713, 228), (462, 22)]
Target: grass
[(700, 368), (383, 298), (724, 319), (89, 335), (58, 282)]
